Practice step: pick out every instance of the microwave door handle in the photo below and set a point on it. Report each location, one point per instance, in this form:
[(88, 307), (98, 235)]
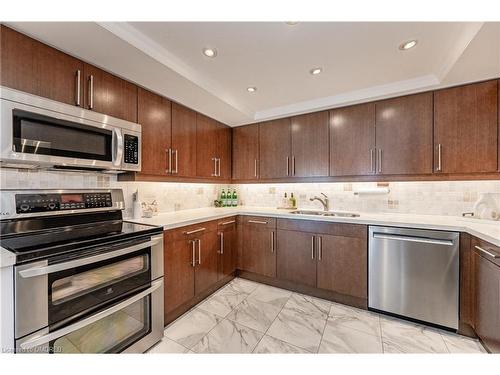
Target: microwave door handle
[(39, 271), (40, 340), (117, 147)]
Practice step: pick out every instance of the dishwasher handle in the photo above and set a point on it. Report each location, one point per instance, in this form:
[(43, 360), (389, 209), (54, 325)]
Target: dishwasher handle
[(399, 237)]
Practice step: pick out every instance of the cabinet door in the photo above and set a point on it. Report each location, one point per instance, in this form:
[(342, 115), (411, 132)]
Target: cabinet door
[(296, 257), (259, 254), (59, 76), (183, 141), (227, 247), (310, 145), (206, 146), (206, 261), (352, 140), (404, 135), (109, 94), (465, 128), (342, 265), (246, 152), (154, 115), (224, 151), (17, 61), (487, 307), (274, 148), (179, 271)]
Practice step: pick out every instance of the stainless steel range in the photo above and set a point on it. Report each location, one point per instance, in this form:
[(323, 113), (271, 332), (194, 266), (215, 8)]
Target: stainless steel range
[(84, 280)]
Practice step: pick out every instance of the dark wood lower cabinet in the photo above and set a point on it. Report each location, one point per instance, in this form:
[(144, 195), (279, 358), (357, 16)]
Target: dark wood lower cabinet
[(227, 247), (259, 245), (205, 270)]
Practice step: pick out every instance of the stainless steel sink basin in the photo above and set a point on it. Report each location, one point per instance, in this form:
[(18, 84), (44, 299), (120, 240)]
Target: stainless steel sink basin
[(325, 213)]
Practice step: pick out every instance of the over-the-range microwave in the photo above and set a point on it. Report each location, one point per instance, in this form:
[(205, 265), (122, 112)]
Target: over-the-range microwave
[(37, 132)]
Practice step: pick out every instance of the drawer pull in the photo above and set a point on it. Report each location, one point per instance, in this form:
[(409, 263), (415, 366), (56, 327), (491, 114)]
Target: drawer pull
[(257, 222), (228, 222), (195, 231), (489, 253)]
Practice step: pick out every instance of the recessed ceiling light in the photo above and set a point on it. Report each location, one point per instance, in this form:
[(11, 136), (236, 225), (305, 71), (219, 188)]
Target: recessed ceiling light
[(251, 89), (407, 45), (210, 52), (291, 23), (315, 71)]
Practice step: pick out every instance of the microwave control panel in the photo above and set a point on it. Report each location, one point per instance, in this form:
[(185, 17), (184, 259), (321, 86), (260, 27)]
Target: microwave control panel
[(30, 203), (131, 149)]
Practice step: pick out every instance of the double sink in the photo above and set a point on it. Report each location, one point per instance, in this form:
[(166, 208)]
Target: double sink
[(325, 213)]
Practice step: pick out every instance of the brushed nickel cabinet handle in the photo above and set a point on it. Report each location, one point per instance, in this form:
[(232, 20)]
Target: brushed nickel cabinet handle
[(255, 168), (287, 166), (320, 247), (199, 251), (372, 160), (272, 242), (257, 222), (215, 167), (193, 252), (169, 163), (379, 160), (222, 243), (312, 247), (488, 253), (195, 231), (293, 165), (78, 95), (228, 222), (218, 168), (440, 161), (91, 92), (174, 152)]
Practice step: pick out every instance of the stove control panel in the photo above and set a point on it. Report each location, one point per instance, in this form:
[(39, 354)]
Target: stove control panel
[(32, 203)]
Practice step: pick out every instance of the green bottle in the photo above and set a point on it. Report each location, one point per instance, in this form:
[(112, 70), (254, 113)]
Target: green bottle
[(223, 198), (235, 198)]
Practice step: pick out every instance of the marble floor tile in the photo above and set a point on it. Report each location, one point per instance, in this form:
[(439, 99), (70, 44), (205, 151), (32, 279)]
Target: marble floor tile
[(307, 305), (270, 345), (405, 337), (167, 346), (339, 338), (358, 319), (190, 328), (460, 345), (255, 314), (224, 301), (243, 285), (269, 294), (229, 337), (299, 329)]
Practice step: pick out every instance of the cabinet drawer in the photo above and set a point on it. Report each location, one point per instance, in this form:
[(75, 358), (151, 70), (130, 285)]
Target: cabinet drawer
[(486, 250), (335, 229), (259, 221), (190, 231)]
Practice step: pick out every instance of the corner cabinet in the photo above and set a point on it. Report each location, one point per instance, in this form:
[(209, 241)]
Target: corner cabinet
[(183, 141), (246, 152), (259, 245)]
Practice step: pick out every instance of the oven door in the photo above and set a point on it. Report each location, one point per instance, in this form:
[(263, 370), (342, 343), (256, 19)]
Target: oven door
[(131, 325), (57, 291)]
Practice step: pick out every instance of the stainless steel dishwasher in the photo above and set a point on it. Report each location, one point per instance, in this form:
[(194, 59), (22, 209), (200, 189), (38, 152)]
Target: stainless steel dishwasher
[(414, 273)]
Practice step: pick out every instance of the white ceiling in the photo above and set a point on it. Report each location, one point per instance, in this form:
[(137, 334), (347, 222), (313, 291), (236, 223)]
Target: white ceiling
[(361, 61)]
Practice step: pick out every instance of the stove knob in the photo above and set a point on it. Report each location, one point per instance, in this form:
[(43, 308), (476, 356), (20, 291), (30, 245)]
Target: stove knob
[(51, 206), (24, 207)]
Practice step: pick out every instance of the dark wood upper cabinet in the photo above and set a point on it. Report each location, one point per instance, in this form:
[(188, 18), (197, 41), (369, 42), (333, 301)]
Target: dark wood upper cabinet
[(183, 141), (274, 149), (108, 94), (310, 145), (404, 135), (352, 140), (206, 146), (246, 152), (296, 257), (154, 114), (466, 128), (17, 61), (224, 140)]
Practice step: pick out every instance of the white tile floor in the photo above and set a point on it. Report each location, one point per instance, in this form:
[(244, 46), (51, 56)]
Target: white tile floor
[(247, 317)]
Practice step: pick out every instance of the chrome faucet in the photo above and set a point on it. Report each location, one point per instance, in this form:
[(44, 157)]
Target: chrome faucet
[(324, 201)]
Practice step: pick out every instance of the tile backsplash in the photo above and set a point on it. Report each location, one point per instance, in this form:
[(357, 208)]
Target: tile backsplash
[(434, 198)]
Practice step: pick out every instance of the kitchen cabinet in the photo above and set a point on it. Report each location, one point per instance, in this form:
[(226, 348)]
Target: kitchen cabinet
[(227, 233), (404, 135), (274, 149), (327, 256), (108, 94), (465, 128), (352, 140), (486, 260), (213, 143), (206, 268), (296, 258), (259, 245), (310, 145), (33, 67), (154, 115), (246, 152), (183, 141)]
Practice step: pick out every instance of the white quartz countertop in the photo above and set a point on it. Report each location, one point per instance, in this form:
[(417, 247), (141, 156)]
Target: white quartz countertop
[(484, 229)]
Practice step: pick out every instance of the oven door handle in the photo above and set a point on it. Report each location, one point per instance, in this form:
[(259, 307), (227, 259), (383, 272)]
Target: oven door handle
[(39, 340), (39, 271)]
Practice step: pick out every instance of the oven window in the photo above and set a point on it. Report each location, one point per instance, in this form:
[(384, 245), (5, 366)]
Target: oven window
[(111, 334), (38, 134), (74, 286)]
